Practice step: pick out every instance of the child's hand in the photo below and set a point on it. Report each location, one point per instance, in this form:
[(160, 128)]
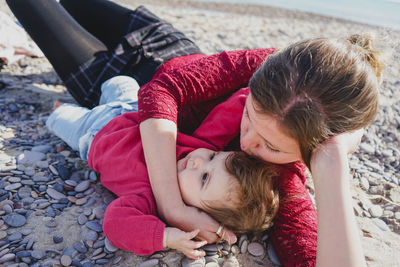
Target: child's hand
[(180, 240)]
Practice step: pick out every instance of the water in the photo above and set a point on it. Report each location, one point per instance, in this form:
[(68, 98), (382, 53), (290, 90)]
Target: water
[(384, 13)]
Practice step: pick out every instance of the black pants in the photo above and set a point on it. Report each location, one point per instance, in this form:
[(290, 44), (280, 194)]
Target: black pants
[(70, 34)]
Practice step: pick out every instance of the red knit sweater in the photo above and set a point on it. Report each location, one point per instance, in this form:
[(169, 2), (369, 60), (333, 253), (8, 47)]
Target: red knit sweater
[(185, 90), (131, 221)]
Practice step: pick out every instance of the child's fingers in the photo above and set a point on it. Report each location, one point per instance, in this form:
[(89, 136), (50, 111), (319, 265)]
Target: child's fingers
[(193, 253), (192, 234)]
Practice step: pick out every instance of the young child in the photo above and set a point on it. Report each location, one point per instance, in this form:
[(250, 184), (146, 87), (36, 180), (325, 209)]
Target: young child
[(236, 189)]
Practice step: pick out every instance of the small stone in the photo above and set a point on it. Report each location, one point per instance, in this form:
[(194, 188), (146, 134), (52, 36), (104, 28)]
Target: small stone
[(71, 183), (116, 260), (272, 254), (87, 264), (397, 215), (26, 231), (364, 183), (92, 235), (367, 148), (98, 212), (57, 239), (243, 248), (37, 254), (79, 246), (186, 262), (63, 172), (55, 194), (24, 192), (82, 186), (42, 148), (93, 176), (212, 264), (51, 224), (3, 234), (82, 219), (65, 260), (110, 247), (30, 157), (42, 164), (94, 225), (14, 179), (7, 208), (81, 201), (15, 236), (53, 170), (13, 186), (375, 211), (149, 263), (98, 244), (231, 262), (14, 219), (7, 257), (381, 224)]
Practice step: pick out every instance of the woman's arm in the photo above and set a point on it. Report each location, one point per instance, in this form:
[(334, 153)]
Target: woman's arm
[(338, 235), (159, 145)]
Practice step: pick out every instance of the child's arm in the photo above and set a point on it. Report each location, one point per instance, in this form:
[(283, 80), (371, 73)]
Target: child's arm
[(338, 235), (131, 224)]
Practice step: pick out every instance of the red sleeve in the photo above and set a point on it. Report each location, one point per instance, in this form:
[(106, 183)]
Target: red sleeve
[(130, 224), (200, 80), (294, 234), (223, 122)]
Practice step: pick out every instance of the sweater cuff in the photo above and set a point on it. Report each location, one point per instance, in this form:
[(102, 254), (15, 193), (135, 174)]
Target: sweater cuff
[(159, 236)]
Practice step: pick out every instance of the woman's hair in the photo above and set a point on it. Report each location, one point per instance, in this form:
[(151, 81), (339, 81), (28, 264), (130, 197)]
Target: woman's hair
[(320, 87), (253, 198)]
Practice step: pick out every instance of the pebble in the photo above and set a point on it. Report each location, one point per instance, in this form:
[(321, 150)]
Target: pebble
[(7, 257), (255, 249), (7, 208), (55, 194), (92, 235), (375, 211), (381, 224), (65, 260), (116, 260), (13, 186), (367, 148), (24, 192), (30, 157), (94, 225), (57, 239), (110, 247), (15, 236), (37, 254), (98, 212), (79, 246), (186, 262), (82, 186), (80, 201), (26, 231), (82, 219), (231, 262), (3, 234), (364, 183), (53, 170), (14, 219), (212, 264), (272, 254), (243, 247)]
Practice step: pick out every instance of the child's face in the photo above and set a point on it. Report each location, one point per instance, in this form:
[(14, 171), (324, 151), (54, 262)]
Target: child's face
[(203, 177)]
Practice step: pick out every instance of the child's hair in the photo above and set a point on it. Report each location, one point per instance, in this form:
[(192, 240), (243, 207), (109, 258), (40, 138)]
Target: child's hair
[(320, 87), (253, 194)]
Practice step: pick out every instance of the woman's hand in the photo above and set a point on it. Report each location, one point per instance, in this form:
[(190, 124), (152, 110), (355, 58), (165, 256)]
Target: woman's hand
[(337, 146), (180, 240), (189, 218)]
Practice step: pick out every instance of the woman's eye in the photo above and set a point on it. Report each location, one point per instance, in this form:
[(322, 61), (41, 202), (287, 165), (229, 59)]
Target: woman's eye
[(204, 178), (271, 149), (212, 156)]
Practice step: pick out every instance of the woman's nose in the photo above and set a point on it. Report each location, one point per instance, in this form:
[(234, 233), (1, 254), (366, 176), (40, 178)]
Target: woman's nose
[(249, 140)]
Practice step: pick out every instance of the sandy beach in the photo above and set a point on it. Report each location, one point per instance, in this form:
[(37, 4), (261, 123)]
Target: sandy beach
[(38, 171)]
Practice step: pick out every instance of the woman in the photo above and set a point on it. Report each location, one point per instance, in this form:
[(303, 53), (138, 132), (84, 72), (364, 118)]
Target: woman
[(303, 111)]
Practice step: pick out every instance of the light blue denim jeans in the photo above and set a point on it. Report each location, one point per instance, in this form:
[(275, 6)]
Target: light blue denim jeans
[(77, 125)]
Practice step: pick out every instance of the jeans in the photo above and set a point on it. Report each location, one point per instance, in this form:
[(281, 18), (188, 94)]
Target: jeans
[(78, 125)]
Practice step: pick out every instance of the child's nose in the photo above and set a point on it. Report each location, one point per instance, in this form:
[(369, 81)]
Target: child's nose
[(197, 162)]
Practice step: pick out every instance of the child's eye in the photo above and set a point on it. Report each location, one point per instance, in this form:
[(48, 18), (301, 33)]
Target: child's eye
[(212, 156), (204, 178)]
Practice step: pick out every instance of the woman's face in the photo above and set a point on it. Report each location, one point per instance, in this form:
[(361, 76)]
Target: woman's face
[(262, 136)]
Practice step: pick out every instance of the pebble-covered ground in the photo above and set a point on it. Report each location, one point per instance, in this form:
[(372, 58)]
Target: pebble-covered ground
[(52, 204)]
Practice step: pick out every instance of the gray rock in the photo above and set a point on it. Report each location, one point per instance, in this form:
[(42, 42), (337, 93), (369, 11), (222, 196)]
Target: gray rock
[(14, 219), (55, 194), (381, 224), (367, 148), (243, 247), (375, 211), (364, 183), (7, 257), (255, 249), (7, 208), (65, 260), (15, 236), (42, 148), (79, 246), (57, 239), (13, 186), (30, 157), (92, 235), (37, 178), (82, 186), (186, 262), (110, 247), (82, 219), (231, 262), (24, 192), (94, 225), (272, 254), (37, 254)]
